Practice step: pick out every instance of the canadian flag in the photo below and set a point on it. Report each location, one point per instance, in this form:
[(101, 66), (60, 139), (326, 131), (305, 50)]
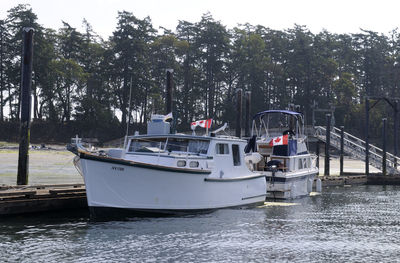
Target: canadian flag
[(281, 140), (201, 123)]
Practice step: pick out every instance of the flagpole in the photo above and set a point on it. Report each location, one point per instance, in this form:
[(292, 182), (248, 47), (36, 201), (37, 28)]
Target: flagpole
[(207, 122), (129, 115)]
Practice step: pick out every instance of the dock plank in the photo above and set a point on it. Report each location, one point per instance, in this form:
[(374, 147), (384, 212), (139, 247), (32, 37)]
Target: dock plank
[(64, 191), (9, 193)]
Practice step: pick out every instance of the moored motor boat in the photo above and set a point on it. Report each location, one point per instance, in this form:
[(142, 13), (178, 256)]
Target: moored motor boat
[(170, 174), (281, 154)]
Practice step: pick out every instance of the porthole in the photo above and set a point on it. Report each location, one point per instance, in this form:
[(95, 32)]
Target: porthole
[(181, 163), (194, 164)]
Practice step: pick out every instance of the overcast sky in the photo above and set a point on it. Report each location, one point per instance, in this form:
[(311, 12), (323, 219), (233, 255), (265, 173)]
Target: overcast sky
[(337, 16)]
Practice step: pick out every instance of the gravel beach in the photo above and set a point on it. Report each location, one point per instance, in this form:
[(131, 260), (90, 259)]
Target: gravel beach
[(45, 167)]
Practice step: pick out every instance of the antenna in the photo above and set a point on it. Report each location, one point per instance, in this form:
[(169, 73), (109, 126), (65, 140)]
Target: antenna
[(221, 128), (129, 115)]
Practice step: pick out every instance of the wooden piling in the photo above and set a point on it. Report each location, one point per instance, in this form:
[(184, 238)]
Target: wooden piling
[(238, 130), (26, 84), (341, 149), (317, 153), (366, 136), (384, 146), (327, 143), (396, 127), (1, 70), (248, 118), (169, 91)]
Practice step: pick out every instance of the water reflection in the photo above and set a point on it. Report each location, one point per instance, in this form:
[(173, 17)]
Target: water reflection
[(344, 224)]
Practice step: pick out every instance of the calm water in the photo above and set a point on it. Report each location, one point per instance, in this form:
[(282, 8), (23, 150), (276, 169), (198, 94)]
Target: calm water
[(359, 224)]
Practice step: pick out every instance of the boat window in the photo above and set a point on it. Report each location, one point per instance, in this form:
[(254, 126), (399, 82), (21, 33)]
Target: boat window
[(186, 145), (221, 148), (177, 145), (181, 163), (236, 154), (147, 145), (194, 164), (198, 146)]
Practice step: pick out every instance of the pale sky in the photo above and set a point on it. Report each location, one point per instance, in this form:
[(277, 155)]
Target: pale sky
[(337, 16)]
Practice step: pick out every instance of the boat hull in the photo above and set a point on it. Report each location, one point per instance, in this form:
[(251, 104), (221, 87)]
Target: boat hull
[(291, 185), (161, 191)]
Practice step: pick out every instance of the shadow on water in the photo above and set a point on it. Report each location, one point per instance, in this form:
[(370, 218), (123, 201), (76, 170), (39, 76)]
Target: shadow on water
[(56, 217)]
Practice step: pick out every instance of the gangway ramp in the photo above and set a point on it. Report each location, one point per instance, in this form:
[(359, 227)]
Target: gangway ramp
[(355, 147)]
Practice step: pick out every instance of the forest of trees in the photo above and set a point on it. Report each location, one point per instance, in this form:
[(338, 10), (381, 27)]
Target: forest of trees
[(81, 81)]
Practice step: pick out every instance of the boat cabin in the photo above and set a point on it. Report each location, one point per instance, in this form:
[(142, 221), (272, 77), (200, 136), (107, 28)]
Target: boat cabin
[(188, 151), (282, 146)]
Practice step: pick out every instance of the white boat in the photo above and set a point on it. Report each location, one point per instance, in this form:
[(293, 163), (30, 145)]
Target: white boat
[(170, 174), (281, 154)]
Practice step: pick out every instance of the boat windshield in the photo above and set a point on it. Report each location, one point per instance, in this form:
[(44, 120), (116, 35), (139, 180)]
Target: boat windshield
[(147, 145), (271, 125), (193, 146), (187, 145)]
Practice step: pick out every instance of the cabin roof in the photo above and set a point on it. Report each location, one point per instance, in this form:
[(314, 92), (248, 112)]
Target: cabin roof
[(186, 136), (288, 112)]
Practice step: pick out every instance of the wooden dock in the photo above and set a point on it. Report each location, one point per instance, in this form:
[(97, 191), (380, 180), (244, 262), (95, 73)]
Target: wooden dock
[(16, 200), (380, 179), (41, 198), (356, 179), (343, 180)]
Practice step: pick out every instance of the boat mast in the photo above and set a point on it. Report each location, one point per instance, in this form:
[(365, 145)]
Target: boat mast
[(129, 115)]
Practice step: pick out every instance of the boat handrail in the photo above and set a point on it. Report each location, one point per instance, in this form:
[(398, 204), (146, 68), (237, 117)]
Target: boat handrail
[(159, 152), (176, 155)]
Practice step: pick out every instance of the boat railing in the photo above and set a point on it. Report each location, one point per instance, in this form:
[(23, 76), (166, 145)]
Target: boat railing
[(314, 158), (356, 148), (159, 153), (187, 153)]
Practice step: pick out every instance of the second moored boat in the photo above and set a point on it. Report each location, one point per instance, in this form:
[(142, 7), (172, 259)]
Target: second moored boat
[(279, 151)]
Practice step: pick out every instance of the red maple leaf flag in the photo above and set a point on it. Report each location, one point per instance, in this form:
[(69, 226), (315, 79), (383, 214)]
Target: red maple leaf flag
[(201, 123), (280, 140)]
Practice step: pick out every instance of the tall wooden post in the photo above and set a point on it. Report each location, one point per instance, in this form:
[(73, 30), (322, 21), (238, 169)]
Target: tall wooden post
[(341, 148), (384, 146), (366, 136), (26, 85), (1, 70), (396, 128), (169, 108), (169, 91), (317, 153), (327, 144), (238, 132), (248, 118)]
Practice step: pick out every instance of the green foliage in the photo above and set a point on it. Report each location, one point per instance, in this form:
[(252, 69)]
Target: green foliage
[(82, 79)]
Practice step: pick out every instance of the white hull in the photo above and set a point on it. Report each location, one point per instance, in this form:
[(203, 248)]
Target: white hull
[(290, 185), (110, 185)]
